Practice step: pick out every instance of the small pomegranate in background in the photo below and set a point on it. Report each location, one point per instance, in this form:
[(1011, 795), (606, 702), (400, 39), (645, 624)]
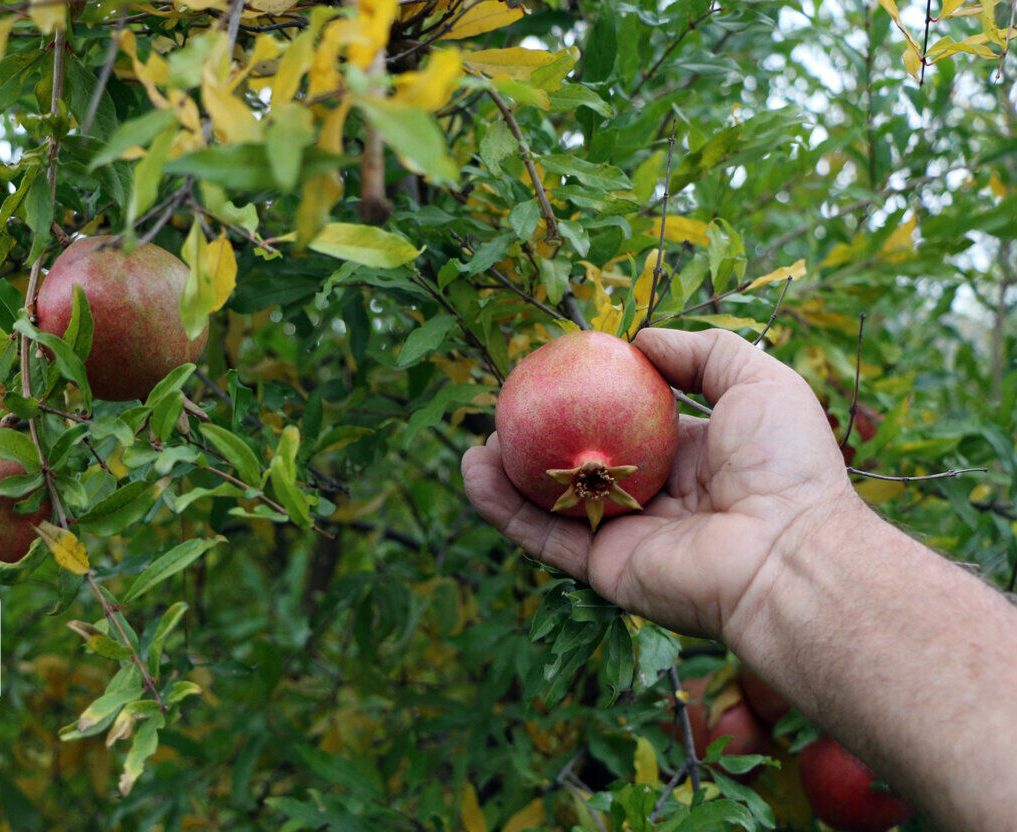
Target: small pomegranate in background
[(765, 702), (587, 426), (17, 531), (839, 788)]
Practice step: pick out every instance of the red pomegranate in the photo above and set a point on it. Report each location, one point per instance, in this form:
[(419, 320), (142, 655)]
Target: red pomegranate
[(839, 788), (135, 301), (765, 702), (16, 530), (588, 427)]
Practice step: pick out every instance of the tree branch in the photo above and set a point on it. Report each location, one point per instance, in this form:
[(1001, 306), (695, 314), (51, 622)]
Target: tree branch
[(853, 410), (953, 472)]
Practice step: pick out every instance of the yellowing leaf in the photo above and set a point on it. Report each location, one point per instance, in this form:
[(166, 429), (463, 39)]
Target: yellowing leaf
[(199, 293), (231, 117), (878, 491), (515, 62), (152, 74), (682, 230), (609, 316), (318, 195), (485, 16), (645, 763), (67, 550), (894, 12), (272, 6), (531, 816), (644, 283), (296, 60), (6, 24), (470, 813), (363, 244), (324, 77), (796, 271), (912, 60), (949, 7), (900, 243), (222, 265), (48, 16), (947, 46), (724, 321), (374, 18), (996, 185), (431, 89)]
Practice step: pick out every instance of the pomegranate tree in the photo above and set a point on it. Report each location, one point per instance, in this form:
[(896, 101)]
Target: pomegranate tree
[(587, 426), (135, 301)]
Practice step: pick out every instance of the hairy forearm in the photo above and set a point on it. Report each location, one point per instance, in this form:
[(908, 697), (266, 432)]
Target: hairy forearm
[(905, 657)]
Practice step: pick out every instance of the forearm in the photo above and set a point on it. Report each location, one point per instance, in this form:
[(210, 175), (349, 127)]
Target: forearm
[(893, 650)]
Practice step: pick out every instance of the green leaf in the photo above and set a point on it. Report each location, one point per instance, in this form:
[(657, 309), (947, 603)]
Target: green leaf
[(167, 623), (169, 563), (291, 130), (175, 380), (20, 485), (425, 339), (136, 132), (431, 413), (603, 176), (67, 440), (571, 97), (283, 473), (363, 244), (246, 167), (81, 327), (236, 452), (415, 137), (497, 145), (67, 361), (619, 659), (121, 509), (554, 275), (524, 217), (165, 414), (145, 744), (38, 208), (714, 815), (11, 302), (148, 174), (658, 650), (18, 447)]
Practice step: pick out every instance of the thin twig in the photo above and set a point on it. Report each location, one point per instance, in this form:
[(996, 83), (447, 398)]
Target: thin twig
[(672, 784), (531, 168), (776, 311), (572, 310), (104, 75), (925, 45), (681, 715), (853, 410), (953, 472), (649, 73), (1006, 40), (508, 284), (658, 269), (233, 25), (687, 400)]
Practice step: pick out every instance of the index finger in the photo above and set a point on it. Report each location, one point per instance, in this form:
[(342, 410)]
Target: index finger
[(710, 362)]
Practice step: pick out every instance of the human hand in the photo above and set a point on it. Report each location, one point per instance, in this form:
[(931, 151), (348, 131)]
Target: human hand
[(747, 486)]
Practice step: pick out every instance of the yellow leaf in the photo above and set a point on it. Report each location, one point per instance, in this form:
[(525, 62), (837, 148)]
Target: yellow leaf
[(682, 230), (375, 19), (272, 6), (317, 197), (431, 89), (644, 283), (894, 12), (470, 812), (947, 46), (231, 117), (878, 491), (796, 271), (949, 7), (988, 17), (609, 316), (900, 243), (323, 76), (222, 265), (531, 816), (6, 24), (485, 16), (68, 551), (996, 185), (296, 60), (515, 62), (266, 48), (199, 293), (152, 74), (645, 762), (48, 16), (727, 321), (912, 60)]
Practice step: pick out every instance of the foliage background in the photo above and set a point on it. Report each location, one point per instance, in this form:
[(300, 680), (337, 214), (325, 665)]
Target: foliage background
[(351, 187)]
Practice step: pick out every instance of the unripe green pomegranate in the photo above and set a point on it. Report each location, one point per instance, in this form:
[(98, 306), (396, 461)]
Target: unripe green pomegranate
[(17, 530), (839, 788), (135, 301), (587, 427)]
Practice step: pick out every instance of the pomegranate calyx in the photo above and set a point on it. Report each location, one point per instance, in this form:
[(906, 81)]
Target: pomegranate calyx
[(591, 484)]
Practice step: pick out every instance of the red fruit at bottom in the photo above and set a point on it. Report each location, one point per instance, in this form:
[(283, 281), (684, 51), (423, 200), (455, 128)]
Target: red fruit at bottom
[(17, 530), (587, 426), (839, 788)]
